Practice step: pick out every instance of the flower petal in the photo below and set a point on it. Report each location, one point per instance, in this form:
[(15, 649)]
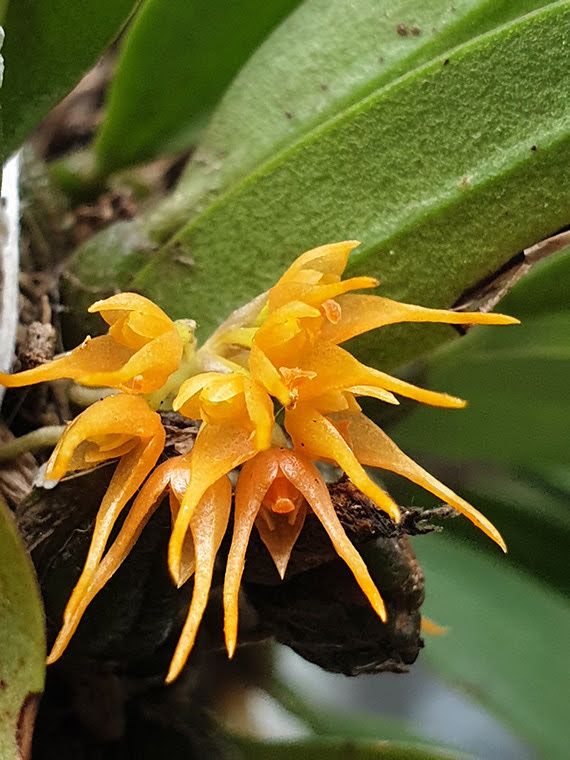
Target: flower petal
[(218, 450), (104, 362), (260, 410), (401, 387), (147, 370), (265, 373), (314, 435), (254, 480), (305, 476), (143, 317), (374, 448), (361, 313), (128, 414), (335, 368), (316, 294), (115, 418), (144, 506), (326, 260), (208, 526), (372, 392), (187, 401), (98, 355)]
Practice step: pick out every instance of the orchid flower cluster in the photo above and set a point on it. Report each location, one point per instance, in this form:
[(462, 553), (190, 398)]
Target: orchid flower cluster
[(281, 356)]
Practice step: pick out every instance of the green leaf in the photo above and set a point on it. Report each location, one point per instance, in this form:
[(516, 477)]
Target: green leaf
[(505, 646), (49, 45), (433, 172), (22, 643), (530, 512), (338, 749), (177, 59), (532, 516), (516, 383), (506, 451), (319, 63)]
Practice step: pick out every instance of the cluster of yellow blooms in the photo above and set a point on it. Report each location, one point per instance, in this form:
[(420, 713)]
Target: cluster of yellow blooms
[(282, 347)]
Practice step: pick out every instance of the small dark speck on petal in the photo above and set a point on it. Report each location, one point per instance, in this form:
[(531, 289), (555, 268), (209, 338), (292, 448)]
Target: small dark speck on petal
[(288, 114), (416, 31), (446, 62), (533, 147), (324, 87), (402, 30)]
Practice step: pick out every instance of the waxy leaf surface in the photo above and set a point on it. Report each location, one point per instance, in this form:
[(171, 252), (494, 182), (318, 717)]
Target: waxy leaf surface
[(506, 638), (178, 57), (444, 174), (49, 45)]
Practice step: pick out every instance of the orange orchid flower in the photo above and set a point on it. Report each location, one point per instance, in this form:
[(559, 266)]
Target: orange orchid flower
[(207, 528), (274, 491), (295, 355), (284, 346), (122, 427), (237, 423), (142, 349), (315, 278)]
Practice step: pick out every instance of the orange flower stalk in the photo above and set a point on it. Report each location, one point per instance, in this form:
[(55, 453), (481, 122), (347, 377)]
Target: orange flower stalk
[(274, 491), (143, 347), (237, 415)]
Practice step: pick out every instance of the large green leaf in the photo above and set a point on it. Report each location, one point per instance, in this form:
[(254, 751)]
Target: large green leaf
[(319, 63), (530, 511), (22, 643), (435, 173), (49, 45), (177, 59), (507, 639), (532, 515), (339, 749), (516, 382), (504, 451)]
